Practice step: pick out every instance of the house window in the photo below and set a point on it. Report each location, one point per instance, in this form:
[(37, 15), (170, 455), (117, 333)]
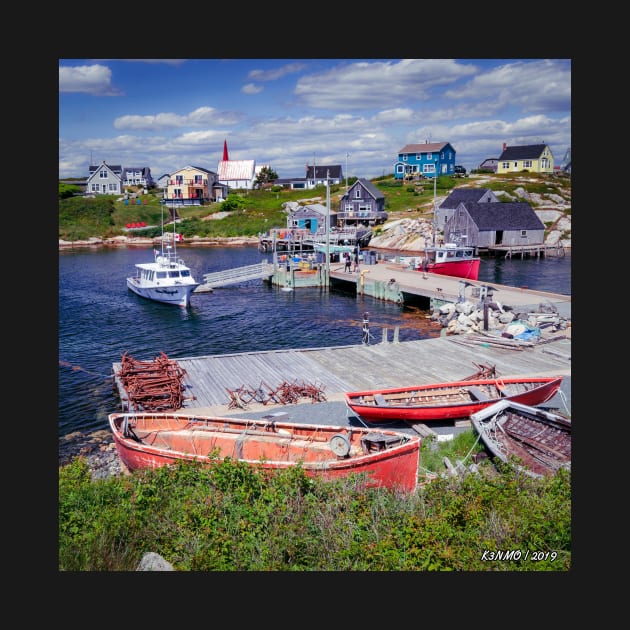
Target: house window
[(197, 179), (399, 168), (429, 156), (179, 179), (523, 233), (527, 163), (102, 174), (418, 157), (113, 187), (428, 168), (505, 165), (405, 156), (357, 193)]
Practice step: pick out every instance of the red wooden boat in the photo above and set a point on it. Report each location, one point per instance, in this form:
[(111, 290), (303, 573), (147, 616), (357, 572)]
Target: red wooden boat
[(451, 259), (150, 440), (443, 401)]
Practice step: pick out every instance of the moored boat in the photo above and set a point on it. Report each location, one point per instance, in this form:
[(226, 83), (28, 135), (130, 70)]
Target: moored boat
[(451, 259), (538, 441), (167, 279), (151, 440), (449, 400)]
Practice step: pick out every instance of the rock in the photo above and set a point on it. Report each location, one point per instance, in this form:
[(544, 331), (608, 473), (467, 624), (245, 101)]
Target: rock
[(154, 562)]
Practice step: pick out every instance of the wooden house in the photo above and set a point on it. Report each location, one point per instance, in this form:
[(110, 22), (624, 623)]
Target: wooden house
[(237, 174), (311, 217), (190, 186), (483, 225), (430, 159), (489, 164), (363, 204), (138, 176), (533, 158), (462, 195), (105, 179)]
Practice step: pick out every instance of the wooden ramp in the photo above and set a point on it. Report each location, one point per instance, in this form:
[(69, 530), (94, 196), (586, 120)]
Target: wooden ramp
[(234, 276)]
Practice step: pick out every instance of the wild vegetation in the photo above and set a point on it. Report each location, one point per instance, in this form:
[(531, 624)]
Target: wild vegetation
[(251, 212), (234, 517)]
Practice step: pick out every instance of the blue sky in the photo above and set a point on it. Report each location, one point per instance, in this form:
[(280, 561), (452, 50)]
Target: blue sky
[(287, 113)]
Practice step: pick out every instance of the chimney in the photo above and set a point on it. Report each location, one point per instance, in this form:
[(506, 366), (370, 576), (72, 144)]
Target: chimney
[(504, 146)]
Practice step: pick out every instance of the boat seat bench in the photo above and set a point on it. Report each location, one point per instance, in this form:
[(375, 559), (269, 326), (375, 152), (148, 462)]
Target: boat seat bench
[(478, 394)]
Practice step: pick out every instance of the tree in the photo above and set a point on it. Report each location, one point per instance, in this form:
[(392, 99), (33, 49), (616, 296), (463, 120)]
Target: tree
[(266, 175)]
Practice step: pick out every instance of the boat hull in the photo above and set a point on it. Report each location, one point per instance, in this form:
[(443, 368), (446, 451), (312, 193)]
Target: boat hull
[(178, 295), (447, 401), (152, 440), (539, 440), (467, 269)]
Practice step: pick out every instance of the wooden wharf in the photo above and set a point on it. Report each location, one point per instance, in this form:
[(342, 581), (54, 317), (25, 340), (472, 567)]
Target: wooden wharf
[(399, 283), (339, 369), (389, 281)]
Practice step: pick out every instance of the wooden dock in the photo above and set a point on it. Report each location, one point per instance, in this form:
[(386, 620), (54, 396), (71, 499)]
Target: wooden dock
[(398, 283), (339, 369)]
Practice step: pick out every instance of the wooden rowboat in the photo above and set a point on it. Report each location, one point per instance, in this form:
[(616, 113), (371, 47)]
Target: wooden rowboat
[(444, 401), (536, 440), (150, 440)]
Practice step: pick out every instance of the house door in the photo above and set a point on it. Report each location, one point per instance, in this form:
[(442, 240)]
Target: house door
[(498, 237)]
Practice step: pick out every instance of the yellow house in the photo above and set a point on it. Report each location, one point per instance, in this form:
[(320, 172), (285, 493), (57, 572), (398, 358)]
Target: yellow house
[(190, 186), (534, 158)]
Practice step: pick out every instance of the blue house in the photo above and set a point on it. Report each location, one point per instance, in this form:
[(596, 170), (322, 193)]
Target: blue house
[(425, 160)]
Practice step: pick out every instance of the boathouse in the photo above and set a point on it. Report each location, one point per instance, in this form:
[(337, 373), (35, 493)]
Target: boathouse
[(484, 225)]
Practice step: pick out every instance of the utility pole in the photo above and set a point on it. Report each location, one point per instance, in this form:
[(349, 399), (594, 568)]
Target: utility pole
[(347, 156)]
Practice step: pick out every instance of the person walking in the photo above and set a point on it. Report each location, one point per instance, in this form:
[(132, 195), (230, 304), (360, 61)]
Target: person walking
[(348, 262)]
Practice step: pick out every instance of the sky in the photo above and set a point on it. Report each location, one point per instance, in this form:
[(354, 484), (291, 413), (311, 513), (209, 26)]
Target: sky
[(289, 113)]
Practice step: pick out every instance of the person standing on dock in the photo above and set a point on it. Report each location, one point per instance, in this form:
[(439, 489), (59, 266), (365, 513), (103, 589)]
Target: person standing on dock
[(356, 259), (348, 261)]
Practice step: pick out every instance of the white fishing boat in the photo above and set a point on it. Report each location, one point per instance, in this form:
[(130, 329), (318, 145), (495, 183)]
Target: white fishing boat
[(167, 279)]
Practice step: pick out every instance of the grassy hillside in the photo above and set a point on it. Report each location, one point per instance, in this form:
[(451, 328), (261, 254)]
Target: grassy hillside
[(248, 213)]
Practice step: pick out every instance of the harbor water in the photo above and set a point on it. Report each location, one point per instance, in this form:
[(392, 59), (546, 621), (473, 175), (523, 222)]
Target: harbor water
[(100, 319)]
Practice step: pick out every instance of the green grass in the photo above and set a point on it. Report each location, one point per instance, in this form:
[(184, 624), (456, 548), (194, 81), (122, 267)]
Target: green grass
[(256, 211), (234, 517)]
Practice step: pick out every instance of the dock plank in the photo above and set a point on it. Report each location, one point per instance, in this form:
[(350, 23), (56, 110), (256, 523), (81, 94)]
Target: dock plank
[(354, 368)]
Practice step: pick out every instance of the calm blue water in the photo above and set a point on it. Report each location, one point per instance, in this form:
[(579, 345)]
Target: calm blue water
[(100, 319)]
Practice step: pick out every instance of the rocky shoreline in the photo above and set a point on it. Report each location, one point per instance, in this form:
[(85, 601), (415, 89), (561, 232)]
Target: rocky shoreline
[(138, 241)]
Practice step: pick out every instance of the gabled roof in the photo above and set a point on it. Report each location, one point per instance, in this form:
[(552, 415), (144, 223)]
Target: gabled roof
[(189, 166), (115, 168), (310, 209), (459, 195), (369, 186), (427, 147), (525, 152), (334, 171), (232, 170), (518, 215)]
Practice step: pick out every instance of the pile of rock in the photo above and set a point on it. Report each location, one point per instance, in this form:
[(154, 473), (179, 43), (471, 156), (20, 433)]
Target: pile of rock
[(468, 317)]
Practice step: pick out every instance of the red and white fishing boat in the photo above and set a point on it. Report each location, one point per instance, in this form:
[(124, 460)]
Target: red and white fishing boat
[(151, 440), (451, 259), (444, 401)]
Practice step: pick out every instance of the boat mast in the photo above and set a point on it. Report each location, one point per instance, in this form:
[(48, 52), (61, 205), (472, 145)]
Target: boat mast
[(327, 227), (434, 203)]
